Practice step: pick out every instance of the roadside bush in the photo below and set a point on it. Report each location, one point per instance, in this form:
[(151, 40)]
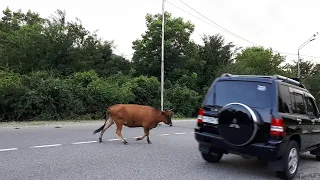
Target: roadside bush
[(83, 79), (184, 100), (11, 90), (146, 90), (101, 93), (49, 98), (41, 96)]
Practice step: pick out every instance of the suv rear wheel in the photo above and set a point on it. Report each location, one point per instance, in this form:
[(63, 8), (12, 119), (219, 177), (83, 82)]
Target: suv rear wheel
[(212, 157), (291, 161)]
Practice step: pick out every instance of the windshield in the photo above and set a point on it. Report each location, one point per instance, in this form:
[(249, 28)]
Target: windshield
[(253, 94)]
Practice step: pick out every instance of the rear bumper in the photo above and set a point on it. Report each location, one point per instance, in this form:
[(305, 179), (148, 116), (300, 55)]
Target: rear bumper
[(272, 150)]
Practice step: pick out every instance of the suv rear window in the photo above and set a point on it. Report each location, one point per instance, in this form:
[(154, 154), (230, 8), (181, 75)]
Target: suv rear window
[(250, 93)]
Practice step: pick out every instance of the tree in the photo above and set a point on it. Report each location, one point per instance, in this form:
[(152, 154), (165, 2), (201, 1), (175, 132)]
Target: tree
[(257, 60), (178, 47), (214, 55), (312, 83), (309, 74), (74, 48), (307, 68), (13, 21), (21, 42), (30, 43)]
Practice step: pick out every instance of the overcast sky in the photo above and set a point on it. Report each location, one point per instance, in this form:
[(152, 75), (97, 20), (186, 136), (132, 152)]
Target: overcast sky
[(283, 25)]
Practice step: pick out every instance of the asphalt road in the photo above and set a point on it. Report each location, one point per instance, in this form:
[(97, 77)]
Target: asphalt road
[(72, 152)]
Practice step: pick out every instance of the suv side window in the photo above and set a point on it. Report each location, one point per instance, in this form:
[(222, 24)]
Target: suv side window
[(311, 108), (298, 101), (284, 99)]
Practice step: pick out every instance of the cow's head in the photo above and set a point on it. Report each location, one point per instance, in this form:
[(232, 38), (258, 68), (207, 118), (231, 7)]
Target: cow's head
[(168, 113)]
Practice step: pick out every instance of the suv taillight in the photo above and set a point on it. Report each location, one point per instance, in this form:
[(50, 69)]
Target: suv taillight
[(277, 127), (200, 115)]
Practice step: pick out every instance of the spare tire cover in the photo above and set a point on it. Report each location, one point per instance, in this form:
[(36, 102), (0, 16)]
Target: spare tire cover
[(238, 124)]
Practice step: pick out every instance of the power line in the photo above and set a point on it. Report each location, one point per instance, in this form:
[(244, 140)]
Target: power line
[(224, 29), (208, 22), (187, 12)]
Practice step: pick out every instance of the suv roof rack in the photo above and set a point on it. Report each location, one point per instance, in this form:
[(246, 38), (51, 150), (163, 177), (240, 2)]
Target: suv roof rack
[(293, 81)]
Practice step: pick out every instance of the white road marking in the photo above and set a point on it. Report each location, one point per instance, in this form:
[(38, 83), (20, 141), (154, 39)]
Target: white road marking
[(180, 133), (86, 142), (11, 149), (43, 146), (164, 134)]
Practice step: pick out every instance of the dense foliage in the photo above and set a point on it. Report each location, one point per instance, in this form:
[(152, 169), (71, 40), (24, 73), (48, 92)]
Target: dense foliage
[(54, 69)]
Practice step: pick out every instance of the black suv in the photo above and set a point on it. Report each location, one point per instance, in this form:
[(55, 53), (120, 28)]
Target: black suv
[(273, 118)]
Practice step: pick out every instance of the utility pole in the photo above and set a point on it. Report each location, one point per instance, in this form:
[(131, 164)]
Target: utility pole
[(162, 56)]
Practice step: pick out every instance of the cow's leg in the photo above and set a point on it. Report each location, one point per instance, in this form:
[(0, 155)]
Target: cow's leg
[(106, 126), (140, 138), (147, 132), (119, 128)]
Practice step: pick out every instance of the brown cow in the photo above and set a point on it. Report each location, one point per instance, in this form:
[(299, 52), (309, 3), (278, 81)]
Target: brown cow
[(133, 115)]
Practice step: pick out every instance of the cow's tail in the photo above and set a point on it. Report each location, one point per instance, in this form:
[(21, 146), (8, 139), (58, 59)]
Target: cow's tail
[(100, 129)]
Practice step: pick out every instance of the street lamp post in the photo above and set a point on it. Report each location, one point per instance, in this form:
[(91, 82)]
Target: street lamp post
[(303, 45), (162, 56)]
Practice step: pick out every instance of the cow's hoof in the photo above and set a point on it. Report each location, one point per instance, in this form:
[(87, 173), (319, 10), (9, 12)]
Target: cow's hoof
[(170, 124), (138, 139), (125, 142), (100, 140), (149, 142)]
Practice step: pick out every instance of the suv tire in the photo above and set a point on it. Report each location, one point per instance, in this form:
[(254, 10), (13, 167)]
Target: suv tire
[(212, 157), (291, 156), (318, 158)]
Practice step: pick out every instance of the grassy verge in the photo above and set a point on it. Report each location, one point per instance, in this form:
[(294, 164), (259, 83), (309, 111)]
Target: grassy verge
[(62, 122), (44, 123)]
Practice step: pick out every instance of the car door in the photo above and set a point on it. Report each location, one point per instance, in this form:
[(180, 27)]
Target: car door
[(313, 114), (299, 114)]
